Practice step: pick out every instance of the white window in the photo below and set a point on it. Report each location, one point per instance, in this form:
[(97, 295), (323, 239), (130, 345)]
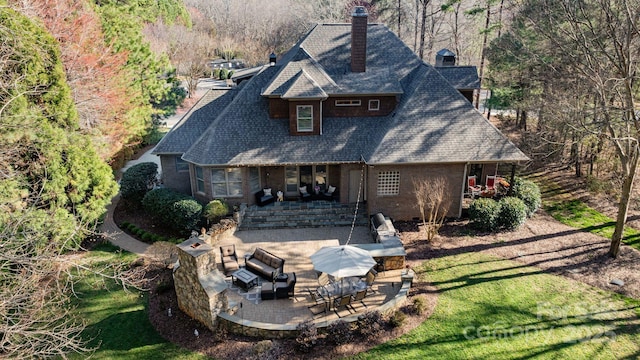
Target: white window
[(374, 105), (199, 179), (181, 165), (226, 182), (347, 102), (388, 183), (305, 118)]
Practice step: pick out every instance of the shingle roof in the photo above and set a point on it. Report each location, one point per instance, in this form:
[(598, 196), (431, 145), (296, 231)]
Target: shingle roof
[(433, 123), (461, 77), (304, 87), (195, 122)]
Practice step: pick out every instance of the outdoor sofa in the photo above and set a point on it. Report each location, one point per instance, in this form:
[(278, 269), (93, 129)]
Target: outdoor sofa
[(265, 264)]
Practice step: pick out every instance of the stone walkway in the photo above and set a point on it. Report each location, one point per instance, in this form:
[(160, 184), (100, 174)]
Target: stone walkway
[(118, 237)]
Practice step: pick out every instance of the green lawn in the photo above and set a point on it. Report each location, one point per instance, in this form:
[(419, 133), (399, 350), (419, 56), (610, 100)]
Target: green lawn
[(487, 308), (578, 215), (490, 308), (117, 320)]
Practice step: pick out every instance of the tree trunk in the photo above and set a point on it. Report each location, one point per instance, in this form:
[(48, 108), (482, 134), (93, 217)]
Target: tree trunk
[(415, 27), (623, 208), (423, 27), (483, 50)]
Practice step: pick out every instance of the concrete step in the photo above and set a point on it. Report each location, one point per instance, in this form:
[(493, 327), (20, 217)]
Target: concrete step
[(301, 215)]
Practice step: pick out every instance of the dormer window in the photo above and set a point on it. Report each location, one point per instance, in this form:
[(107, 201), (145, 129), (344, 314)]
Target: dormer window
[(304, 118), (374, 105), (348, 103)]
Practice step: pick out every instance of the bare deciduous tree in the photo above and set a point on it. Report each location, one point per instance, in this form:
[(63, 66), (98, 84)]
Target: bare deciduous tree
[(433, 201)]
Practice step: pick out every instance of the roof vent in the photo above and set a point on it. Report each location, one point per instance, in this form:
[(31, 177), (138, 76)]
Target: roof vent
[(445, 57)]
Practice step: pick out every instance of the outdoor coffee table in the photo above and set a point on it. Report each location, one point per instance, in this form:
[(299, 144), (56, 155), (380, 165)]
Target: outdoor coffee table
[(244, 279)]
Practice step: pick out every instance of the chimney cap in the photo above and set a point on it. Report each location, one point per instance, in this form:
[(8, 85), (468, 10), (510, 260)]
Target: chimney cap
[(359, 11)]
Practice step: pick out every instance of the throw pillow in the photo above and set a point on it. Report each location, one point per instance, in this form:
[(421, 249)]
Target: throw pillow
[(331, 189), (267, 191), (303, 190)]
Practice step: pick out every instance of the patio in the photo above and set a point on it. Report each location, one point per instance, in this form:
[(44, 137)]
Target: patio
[(296, 246)]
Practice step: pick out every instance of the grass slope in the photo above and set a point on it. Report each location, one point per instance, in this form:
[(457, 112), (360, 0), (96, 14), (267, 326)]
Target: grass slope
[(498, 309), (117, 320)]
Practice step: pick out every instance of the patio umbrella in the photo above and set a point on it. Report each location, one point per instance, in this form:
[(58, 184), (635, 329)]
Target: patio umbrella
[(342, 261)]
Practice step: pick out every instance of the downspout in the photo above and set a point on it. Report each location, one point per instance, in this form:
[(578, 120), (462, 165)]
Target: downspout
[(464, 184), (320, 116)]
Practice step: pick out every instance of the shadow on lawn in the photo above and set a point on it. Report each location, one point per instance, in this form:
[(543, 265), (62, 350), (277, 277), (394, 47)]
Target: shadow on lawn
[(529, 330), (108, 334)]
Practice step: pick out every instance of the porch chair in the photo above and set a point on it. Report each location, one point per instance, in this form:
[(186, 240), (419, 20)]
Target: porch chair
[(229, 258), (473, 189), (491, 182)]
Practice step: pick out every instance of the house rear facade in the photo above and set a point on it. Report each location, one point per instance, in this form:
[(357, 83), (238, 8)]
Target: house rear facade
[(349, 106)]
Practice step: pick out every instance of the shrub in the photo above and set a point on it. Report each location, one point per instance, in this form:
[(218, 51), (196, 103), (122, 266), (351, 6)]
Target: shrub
[(147, 237), (216, 73), (137, 181), (230, 74), (139, 232), (513, 213), (419, 305), (307, 336), (223, 74), (397, 319), (369, 324), (483, 213), (529, 193), (215, 210), (179, 211), (339, 332), (125, 225), (132, 228)]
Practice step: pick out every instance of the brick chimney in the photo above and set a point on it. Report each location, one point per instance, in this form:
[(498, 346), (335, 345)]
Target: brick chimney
[(359, 39)]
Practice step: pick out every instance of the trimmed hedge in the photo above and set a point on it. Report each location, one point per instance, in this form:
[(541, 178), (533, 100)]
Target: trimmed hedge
[(137, 181), (489, 215), (512, 214), (483, 213), (215, 209), (529, 193), (179, 211)]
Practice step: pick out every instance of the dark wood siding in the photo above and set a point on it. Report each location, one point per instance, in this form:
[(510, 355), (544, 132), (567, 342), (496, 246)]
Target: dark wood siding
[(278, 108), (387, 105)]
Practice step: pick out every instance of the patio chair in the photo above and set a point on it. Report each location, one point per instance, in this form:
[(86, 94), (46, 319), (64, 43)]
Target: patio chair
[(473, 189), (368, 281), (229, 258), (359, 296), (343, 301), (380, 265), (319, 304), (323, 279), (286, 289), (491, 182)]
